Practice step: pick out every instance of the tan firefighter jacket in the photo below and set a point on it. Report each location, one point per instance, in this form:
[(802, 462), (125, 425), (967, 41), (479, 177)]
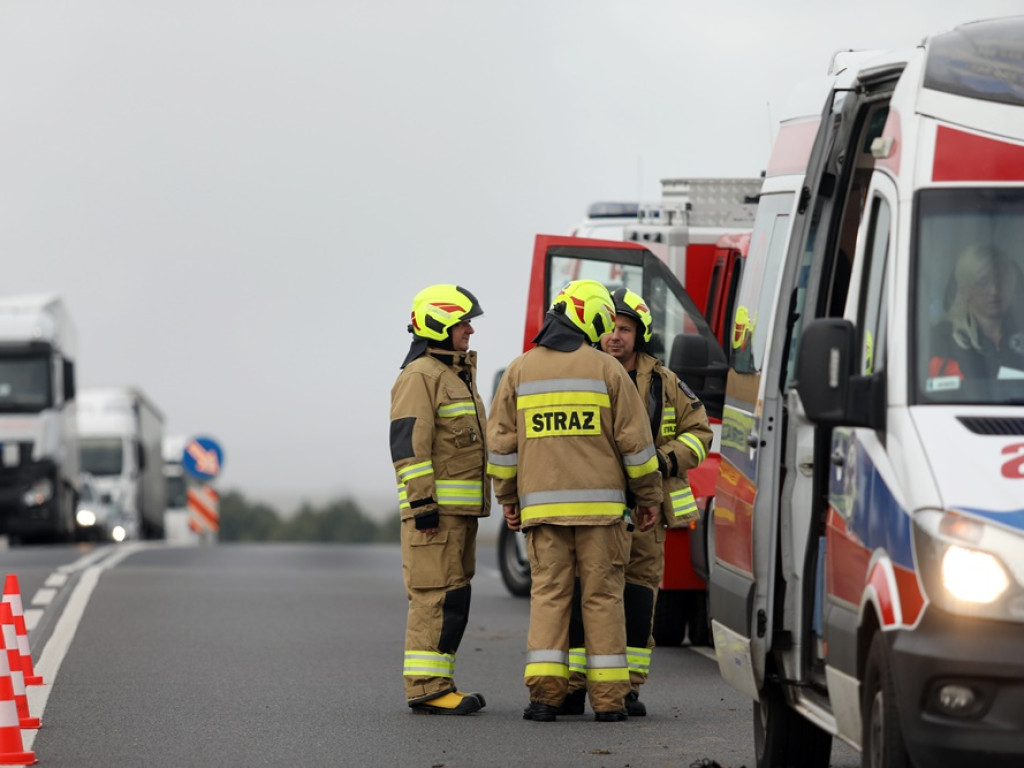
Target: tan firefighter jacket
[(567, 434), (682, 436), (437, 436)]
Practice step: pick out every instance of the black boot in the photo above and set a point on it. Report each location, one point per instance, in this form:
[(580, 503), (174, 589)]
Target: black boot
[(635, 707), (574, 702), (611, 717), (540, 713)]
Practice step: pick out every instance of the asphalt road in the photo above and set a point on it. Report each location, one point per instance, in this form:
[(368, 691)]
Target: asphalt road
[(271, 655)]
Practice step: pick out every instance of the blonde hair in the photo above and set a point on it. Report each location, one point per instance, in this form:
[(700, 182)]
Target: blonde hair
[(971, 262)]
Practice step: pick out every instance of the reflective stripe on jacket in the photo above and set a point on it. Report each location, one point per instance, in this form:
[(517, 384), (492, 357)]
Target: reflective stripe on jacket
[(683, 439), (438, 441), (567, 434)]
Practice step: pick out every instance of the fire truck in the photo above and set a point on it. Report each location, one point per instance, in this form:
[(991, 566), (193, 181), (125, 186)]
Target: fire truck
[(696, 237)]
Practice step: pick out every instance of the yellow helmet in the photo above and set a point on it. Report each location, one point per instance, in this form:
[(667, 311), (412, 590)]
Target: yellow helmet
[(632, 305), (438, 308), (587, 305)]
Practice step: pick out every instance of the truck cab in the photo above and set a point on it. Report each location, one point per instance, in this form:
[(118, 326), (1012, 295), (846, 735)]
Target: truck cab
[(868, 527), (39, 475)]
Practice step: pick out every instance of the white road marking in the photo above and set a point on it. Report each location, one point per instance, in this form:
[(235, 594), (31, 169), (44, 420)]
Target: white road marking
[(64, 632), (56, 580), (44, 596), (32, 616)]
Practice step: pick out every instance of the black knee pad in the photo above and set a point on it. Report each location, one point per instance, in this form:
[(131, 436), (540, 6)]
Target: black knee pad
[(456, 617)]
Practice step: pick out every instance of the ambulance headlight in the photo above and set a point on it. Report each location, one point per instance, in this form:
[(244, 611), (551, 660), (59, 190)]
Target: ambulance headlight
[(967, 565), (118, 533), (973, 576), (85, 518)]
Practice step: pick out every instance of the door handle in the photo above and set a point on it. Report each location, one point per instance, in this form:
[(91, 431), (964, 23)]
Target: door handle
[(752, 440)]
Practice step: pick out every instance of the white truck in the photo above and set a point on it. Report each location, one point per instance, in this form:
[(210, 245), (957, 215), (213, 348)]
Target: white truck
[(176, 482), (39, 453), (121, 437)]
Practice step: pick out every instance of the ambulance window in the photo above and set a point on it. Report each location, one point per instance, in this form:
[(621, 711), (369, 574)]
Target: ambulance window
[(872, 304), (983, 60), (755, 303)]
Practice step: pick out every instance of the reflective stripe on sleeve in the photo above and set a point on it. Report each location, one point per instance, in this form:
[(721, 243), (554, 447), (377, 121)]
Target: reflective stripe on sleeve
[(429, 664), (459, 492), (503, 465), (683, 503), (403, 498), (641, 463), (695, 445), (451, 410), (405, 474)]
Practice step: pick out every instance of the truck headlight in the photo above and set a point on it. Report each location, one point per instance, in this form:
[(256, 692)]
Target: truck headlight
[(85, 517), (973, 576), (40, 493)]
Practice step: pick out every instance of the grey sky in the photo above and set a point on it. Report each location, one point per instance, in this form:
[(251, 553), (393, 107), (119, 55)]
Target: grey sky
[(238, 199)]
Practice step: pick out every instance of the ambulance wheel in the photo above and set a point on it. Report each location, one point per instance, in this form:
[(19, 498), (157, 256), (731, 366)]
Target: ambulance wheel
[(782, 737), (670, 616), (699, 624), (513, 562), (882, 737)]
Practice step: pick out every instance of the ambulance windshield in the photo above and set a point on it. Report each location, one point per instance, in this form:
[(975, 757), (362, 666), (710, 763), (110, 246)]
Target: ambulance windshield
[(968, 256), (983, 60)]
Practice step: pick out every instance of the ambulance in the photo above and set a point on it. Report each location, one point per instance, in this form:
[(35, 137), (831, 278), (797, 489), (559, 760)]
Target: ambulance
[(867, 527)]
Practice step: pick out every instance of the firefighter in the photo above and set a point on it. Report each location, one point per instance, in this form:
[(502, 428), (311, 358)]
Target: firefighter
[(682, 436), (438, 449), (567, 436)]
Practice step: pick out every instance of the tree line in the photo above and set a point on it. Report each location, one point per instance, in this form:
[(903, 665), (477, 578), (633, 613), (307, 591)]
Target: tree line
[(340, 520)]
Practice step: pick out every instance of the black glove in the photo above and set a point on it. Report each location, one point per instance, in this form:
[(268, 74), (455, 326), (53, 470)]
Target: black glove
[(427, 519)]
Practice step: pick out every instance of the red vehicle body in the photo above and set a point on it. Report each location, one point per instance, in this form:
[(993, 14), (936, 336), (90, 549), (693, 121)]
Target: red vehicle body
[(556, 260)]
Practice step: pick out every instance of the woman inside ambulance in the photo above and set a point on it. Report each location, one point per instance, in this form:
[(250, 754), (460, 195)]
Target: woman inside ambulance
[(982, 334)]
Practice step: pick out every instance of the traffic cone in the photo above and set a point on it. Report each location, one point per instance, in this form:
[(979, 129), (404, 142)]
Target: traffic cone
[(12, 596), (12, 750), (25, 720)]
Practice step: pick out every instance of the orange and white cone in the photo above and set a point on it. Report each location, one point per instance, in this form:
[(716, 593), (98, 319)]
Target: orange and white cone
[(12, 596), (12, 749), (25, 720)]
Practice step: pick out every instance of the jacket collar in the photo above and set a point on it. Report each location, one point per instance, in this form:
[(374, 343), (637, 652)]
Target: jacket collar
[(559, 335)]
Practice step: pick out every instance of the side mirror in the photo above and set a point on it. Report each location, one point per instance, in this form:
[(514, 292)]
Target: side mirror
[(140, 452), (691, 361), (69, 379), (832, 395)]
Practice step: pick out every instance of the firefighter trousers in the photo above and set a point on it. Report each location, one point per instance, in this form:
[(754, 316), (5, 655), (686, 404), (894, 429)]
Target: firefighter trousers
[(598, 555), (643, 577), (437, 571)]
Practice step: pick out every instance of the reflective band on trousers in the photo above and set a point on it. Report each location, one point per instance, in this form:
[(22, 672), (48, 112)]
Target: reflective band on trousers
[(577, 660), (639, 659), (548, 663), (584, 502), (429, 664), (405, 474), (607, 667), (459, 492), (683, 503), (503, 465), (642, 463), (535, 394), (450, 410), (694, 445)]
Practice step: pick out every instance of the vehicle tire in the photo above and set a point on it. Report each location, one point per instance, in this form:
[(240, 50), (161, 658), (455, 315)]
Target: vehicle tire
[(785, 739), (699, 623), (513, 562), (670, 616), (882, 738)]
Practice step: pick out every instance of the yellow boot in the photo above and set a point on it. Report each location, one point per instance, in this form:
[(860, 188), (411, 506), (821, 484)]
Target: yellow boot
[(452, 703)]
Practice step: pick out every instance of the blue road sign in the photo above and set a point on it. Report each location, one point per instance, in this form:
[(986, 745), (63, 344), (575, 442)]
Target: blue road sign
[(202, 458)]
